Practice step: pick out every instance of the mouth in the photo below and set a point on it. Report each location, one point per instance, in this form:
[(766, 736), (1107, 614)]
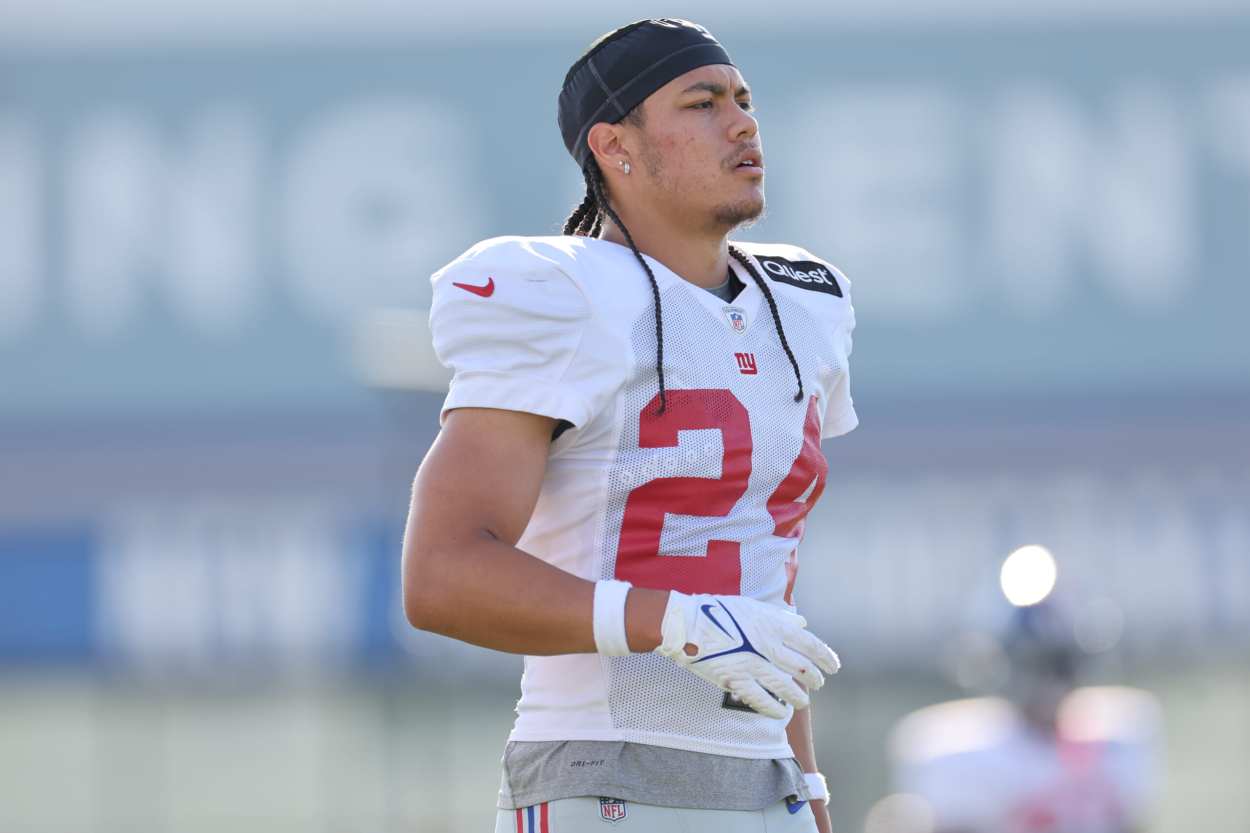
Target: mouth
[(752, 163)]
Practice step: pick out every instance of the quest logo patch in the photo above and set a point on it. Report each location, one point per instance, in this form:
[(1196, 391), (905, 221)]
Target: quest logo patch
[(805, 274)]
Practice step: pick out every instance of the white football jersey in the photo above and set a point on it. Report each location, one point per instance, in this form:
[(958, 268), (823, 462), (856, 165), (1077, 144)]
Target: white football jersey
[(709, 496), (981, 769)]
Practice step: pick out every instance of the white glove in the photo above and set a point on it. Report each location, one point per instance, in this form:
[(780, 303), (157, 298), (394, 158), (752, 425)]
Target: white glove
[(745, 646)]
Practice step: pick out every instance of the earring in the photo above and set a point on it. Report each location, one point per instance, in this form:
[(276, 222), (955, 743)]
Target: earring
[(625, 166)]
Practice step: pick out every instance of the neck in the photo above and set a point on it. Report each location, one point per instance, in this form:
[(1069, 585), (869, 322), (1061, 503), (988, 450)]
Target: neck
[(701, 259)]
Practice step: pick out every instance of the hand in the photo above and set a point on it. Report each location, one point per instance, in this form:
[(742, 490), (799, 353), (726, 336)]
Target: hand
[(746, 647)]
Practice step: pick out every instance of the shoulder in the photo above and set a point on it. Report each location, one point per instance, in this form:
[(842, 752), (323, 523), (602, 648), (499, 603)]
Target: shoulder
[(509, 290), (515, 255), (511, 319), (795, 266), (507, 277)]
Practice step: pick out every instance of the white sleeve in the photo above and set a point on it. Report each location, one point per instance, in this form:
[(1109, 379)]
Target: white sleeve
[(509, 323), (840, 417)]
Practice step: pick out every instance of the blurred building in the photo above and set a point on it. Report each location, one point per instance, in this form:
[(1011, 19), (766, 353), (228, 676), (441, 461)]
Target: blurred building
[(218, 225)]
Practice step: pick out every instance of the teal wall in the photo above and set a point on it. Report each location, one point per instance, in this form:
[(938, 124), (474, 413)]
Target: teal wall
[(1024, 212)]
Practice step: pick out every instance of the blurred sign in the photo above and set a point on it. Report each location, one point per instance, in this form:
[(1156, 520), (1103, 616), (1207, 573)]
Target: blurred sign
[(1019, 209), (1152, 559), (275, 584)]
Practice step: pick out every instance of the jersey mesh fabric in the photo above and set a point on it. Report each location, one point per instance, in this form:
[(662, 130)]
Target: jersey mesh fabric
[(695, 493), (649, 693)]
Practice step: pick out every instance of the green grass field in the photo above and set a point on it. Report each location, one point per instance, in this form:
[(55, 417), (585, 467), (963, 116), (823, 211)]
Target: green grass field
[(402, 754)]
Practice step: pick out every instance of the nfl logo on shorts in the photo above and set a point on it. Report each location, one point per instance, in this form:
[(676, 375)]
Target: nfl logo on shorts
[(737, 318), (611, 809)]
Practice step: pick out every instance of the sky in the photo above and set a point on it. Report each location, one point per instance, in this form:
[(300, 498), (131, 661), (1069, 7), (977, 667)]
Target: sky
[(62, 23)]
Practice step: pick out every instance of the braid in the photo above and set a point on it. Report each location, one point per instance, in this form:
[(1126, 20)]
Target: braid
[(573, 225), (741, 257), (594, 180), (593, 218)]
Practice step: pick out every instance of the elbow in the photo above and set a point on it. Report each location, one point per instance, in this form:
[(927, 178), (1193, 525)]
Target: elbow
[(420, 601), (416, 611)]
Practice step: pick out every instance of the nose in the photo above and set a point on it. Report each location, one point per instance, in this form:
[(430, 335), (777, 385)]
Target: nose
[(744, 126)]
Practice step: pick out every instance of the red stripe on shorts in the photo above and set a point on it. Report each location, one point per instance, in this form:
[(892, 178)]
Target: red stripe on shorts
[(520, 825), (542, 817)]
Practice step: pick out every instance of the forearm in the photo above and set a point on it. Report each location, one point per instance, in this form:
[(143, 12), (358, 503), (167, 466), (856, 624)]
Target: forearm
[(492, 594), (799, 733)]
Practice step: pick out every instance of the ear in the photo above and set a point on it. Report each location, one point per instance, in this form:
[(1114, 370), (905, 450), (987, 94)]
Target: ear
[(606, 142)]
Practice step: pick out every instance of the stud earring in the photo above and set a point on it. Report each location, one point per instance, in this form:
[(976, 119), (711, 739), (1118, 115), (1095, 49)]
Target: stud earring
[(625, 166)]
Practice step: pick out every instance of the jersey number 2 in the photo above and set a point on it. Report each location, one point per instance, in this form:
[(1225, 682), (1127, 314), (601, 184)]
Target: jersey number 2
[(638, 558)]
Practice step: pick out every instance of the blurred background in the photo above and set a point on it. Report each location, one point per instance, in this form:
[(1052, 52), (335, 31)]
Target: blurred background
[(217, 223)]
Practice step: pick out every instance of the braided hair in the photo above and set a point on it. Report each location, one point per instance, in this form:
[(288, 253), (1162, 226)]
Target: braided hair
[(586, 220), (742, 258)]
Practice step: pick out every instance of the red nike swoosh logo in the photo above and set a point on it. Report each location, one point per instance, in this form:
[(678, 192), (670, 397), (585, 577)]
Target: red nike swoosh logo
[(485, 290)]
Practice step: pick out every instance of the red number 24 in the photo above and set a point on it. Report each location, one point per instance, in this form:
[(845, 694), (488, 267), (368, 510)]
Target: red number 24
[(638, 558)]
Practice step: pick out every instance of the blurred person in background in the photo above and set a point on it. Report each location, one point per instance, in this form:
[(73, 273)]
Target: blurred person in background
[(629, 448), (1048, 756)]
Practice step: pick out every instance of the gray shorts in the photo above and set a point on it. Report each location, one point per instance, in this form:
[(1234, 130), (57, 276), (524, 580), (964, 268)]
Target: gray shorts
[(607, 815)]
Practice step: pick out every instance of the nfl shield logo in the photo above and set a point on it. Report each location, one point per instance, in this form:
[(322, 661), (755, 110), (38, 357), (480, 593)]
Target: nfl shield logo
[(737, 318), (611, 809)]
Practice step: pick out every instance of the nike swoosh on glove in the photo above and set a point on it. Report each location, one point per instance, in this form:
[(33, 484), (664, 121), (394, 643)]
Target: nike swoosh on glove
[(746, 647)]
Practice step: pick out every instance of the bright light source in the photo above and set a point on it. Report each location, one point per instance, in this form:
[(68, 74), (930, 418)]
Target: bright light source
[(1028, 575)]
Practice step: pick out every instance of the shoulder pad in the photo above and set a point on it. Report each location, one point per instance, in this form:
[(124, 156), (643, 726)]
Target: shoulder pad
[(797, 267), (515, 255)]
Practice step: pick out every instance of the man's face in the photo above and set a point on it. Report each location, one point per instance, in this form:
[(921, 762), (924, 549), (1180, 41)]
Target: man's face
[(696, 131)]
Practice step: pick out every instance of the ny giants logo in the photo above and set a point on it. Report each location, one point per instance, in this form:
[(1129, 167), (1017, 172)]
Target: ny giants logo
[(746, 364)]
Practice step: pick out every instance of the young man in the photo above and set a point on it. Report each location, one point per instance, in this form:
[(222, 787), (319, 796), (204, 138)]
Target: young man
[(630, 445)]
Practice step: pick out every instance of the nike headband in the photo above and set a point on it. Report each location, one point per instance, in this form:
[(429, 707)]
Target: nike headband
[(623, 67)]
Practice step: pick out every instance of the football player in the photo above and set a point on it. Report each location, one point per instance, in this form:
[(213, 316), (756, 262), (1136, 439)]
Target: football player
[(1047, 757), (629, 448)]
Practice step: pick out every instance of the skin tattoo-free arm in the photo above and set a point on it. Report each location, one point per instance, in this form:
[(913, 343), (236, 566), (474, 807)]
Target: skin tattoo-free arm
[(799, 733), (463, 576)]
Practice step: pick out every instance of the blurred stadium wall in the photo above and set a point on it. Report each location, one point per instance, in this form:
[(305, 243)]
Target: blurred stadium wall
[(218, 222)]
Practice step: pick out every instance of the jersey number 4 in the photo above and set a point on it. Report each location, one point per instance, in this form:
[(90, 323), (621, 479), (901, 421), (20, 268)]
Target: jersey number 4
[(638, 558)]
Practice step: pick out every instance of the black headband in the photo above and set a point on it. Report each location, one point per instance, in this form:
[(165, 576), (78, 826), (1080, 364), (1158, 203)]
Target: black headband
[(623, 67)]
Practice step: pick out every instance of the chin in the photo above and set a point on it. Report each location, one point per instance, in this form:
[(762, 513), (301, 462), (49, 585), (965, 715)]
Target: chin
[(739, 213)]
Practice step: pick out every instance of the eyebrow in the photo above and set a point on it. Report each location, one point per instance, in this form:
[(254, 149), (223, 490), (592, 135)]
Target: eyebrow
[(715, 89)]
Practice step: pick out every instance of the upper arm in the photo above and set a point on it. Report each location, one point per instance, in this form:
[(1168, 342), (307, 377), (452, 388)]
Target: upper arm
[(513, 351), (482, 475), (478, 483)]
